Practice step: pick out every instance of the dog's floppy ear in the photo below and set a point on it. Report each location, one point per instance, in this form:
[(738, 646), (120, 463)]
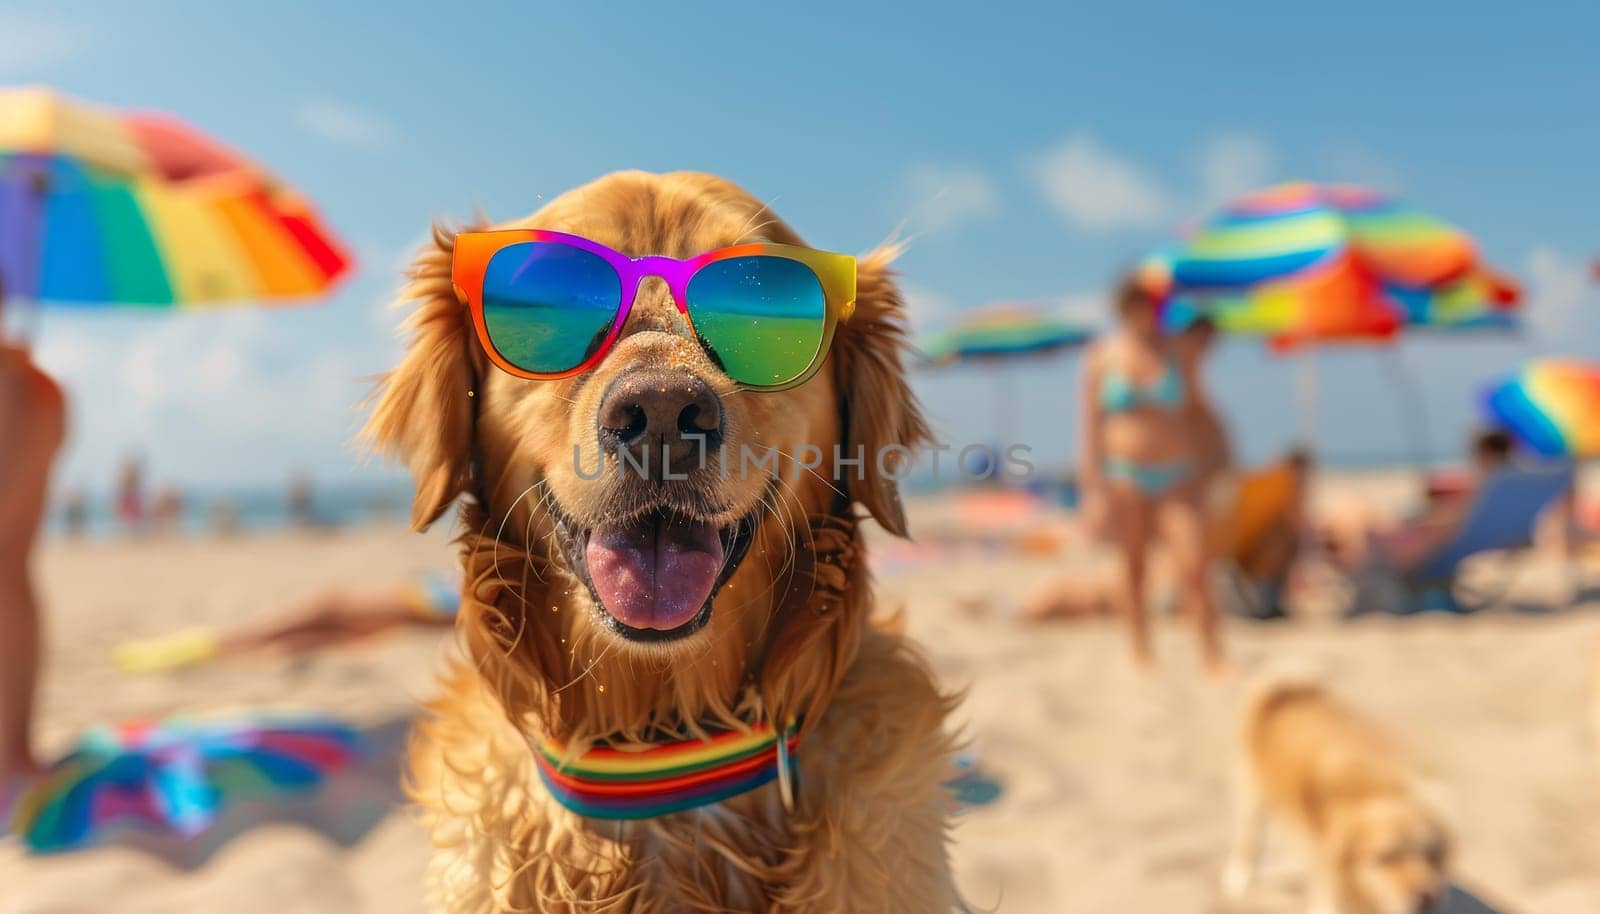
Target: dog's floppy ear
[(882, 417), (423, 413)]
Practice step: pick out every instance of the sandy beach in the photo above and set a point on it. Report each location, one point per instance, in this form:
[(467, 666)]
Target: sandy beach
[(1114, 784)]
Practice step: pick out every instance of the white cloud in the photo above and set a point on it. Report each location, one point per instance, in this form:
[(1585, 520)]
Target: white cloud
[(1232, 164), (1560, 298), (944, 197), (340, 122), (33, 41), (1098, 191)]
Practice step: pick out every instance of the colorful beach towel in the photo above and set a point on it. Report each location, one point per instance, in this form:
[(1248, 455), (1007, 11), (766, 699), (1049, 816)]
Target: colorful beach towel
[(175, 776)]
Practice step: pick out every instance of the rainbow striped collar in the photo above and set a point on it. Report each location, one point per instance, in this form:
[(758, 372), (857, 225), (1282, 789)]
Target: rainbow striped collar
[(610, 783)]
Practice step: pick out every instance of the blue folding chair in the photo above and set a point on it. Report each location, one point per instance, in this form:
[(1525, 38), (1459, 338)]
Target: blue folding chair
[(1502, 517)]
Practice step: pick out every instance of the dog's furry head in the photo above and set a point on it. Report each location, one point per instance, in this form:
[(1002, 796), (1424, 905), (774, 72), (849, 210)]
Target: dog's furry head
[(786, 618), (1391, 855)]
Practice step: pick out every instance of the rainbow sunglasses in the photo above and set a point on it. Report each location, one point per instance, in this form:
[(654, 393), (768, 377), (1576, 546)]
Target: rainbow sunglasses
[(549, 305)]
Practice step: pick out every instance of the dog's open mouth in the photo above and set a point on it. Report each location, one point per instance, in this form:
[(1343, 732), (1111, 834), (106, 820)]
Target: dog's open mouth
[(654, 576)]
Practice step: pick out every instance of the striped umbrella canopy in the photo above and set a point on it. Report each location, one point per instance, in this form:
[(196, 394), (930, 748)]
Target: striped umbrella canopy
[(1552, 406), (101, 207), (1304, 262), (176, 776), (999, 332)]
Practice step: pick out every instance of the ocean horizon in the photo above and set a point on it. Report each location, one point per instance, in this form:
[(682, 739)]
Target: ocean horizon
[(262, 508)]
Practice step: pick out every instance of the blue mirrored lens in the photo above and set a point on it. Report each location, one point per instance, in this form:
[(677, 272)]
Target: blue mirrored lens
[(549, 306)]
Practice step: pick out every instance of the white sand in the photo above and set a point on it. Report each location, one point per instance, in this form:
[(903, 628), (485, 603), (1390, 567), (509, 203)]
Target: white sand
[(1115, 785)]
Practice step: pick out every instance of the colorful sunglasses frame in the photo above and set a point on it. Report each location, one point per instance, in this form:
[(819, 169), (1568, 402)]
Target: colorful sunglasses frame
[(473, 250)]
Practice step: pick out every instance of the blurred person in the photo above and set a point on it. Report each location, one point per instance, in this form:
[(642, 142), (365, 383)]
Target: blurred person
[(299, 501), (328, 620), (75, 512), (130, 506), (166, 510), (1360, 540), (32, 427), (223, 517), (1069, 599), (1144, 463), (1196, 342), (1488, 449)]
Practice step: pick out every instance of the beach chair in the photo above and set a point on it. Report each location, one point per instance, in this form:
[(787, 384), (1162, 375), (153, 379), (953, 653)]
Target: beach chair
[(1263, 507), (1502, 517)]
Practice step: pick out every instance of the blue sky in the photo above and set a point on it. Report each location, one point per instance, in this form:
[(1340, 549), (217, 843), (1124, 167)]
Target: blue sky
[(1029, 154)]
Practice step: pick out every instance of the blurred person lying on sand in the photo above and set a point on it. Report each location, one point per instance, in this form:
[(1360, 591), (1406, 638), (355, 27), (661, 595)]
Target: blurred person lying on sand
[(32, 426), (1359, 539), (329, 620), (1145, 464)]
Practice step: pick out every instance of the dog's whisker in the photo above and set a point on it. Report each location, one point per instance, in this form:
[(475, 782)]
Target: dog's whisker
[(819, 477), (604, 652), (522, 626)]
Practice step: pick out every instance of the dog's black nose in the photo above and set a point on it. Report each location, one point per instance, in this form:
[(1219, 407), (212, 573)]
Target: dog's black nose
[(655, 411)]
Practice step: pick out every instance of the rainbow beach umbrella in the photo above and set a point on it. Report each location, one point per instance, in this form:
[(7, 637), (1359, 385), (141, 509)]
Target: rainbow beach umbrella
[(1552, 406), (100, 207), (1305, 262), (999, 332), (175, 777)]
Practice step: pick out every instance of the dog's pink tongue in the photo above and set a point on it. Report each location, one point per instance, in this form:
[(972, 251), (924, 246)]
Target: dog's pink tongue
[(656, 574)]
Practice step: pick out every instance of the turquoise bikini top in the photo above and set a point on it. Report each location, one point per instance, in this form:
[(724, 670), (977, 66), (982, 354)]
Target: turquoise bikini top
[(1117, 395)]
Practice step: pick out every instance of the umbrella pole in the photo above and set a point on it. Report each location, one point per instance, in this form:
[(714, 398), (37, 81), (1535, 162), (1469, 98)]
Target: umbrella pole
[(1306, 397), (1413, 406), (1005, 406)]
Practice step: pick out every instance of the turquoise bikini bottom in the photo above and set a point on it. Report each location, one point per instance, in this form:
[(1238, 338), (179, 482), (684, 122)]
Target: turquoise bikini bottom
[(1151, 479)]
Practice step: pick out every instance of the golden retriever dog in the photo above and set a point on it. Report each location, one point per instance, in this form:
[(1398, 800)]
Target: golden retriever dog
[(548, 622), (1346, 789)]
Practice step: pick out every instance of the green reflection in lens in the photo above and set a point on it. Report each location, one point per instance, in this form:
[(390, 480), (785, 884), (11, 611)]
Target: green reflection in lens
[(762, 317)]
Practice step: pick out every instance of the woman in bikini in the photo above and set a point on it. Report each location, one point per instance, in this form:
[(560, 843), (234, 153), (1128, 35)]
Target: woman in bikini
[(1142, 464)]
